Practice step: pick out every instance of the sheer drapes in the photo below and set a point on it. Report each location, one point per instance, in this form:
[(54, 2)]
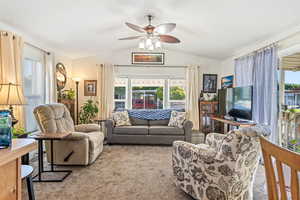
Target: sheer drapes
[(265, 89), (106, 88), (11, 48), (260, 70), (192, 95), (244, 71), (50, 84)]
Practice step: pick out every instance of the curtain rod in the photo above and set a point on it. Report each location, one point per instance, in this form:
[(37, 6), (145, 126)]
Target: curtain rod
[(47, 52), (258, 50), (161, 66), (27, 43)]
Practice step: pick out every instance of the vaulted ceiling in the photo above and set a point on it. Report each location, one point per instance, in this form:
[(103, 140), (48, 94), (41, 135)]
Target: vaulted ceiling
[(212, 28)]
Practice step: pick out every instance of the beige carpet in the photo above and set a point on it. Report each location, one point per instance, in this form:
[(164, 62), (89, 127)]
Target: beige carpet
[(125, 173)]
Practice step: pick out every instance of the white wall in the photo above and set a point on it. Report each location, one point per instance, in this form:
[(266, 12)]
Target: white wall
[(58, 56), (86, 68)]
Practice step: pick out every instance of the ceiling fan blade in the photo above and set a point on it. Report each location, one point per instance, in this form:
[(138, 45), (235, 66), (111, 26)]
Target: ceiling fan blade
[(168, 39), (165, 28), (130, 38), (135, 27)]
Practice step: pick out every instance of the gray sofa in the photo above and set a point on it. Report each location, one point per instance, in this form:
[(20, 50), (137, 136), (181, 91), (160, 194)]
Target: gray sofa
[(147, 132)]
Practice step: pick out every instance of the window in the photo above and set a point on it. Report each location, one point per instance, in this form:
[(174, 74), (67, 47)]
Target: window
[(137, 93), (34, 90), (147, 93), (120, 93), (176, 94)]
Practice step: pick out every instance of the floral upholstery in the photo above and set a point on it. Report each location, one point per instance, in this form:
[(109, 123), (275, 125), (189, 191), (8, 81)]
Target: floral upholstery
[(177, 119), (222, 169), (121, 118)]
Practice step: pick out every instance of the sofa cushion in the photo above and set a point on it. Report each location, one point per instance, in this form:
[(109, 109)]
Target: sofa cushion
[(138, 122), (162, 122), (177, 119), (165, 130), (121, 118), (131, 130)]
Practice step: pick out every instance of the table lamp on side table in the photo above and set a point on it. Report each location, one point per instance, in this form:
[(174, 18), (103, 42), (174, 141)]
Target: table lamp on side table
[(11, 95)]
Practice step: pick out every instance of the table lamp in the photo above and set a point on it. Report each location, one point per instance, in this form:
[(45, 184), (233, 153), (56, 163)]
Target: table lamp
[(11, 95)]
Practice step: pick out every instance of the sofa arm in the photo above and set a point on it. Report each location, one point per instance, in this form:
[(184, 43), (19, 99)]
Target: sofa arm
[(77, 136), (214, 140), (85, 128), (186, 149), (188, 126), (109, 124)]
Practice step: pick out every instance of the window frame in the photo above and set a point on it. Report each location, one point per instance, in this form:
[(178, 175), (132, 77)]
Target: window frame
[(126, 93), (166, 90), (42, 97)]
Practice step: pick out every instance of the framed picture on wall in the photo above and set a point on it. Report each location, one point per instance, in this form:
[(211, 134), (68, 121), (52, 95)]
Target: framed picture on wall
[(146, 58), (210, 83), (90, 87), (227, 82)]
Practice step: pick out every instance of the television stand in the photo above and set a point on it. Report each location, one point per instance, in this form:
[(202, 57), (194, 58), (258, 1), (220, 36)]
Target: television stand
[(232, 122)]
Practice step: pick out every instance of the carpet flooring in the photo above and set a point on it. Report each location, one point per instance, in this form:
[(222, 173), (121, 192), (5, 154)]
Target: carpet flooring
[(125, 173)]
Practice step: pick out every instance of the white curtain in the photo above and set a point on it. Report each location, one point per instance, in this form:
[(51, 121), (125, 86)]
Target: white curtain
[(265, 90), (11, 48), (260, 70), (192, 95), (50, 84), (106, 90), (244, 71)]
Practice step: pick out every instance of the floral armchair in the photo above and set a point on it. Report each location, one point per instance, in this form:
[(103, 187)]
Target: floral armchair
[(223, 168)]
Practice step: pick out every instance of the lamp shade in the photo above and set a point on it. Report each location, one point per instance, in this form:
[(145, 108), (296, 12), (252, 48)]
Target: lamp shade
[(11, 94), (76, 79)]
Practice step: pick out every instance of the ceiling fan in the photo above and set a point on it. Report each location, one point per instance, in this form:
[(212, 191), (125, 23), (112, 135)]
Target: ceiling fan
[(153, 35)]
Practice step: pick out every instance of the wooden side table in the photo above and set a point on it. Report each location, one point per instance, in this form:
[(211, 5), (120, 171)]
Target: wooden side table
[(40, 137), (10, 168)]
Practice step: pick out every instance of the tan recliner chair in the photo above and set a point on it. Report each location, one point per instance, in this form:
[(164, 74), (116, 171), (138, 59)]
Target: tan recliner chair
[(82, 147)]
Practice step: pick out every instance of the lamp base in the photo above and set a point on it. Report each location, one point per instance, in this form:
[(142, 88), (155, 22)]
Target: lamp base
[(14, 120)]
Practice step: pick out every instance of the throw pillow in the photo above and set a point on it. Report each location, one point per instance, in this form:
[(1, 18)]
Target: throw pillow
[(177, 119), (121, 118)]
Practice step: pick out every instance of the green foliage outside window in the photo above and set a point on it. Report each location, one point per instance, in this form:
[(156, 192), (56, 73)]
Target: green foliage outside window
[(292, 86), (177, 93)]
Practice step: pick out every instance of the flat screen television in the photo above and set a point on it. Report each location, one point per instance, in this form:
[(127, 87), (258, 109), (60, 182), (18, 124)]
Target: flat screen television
[(236, 102)]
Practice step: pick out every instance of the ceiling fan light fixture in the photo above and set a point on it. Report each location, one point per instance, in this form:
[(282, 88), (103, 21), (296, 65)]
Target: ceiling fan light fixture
[(142, 44), (157, 44), (148, 42)]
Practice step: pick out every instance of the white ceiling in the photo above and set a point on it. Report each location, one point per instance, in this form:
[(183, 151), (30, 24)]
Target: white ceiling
[(212, 28)]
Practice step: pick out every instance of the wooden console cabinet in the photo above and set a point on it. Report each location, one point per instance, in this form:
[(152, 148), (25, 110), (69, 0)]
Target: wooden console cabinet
[(208, 109), (10, 168)]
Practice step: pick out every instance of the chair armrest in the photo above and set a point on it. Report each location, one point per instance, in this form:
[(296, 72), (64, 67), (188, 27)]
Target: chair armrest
[(77, 136), (214, 140), (188, 126), (85, 128), (189, 149)]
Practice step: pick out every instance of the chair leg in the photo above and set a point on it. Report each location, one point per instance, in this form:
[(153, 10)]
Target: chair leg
[(30, 187)]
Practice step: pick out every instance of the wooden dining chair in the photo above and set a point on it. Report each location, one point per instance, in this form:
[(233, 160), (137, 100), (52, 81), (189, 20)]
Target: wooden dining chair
[(275, 157)]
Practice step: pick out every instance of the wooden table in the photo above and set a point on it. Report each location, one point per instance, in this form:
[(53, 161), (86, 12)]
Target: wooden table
[(233, 123), (10, 168), (40, 137)]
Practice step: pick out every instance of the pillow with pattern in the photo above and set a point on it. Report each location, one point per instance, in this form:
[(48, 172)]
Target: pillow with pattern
[(177, 119), (121, 118)]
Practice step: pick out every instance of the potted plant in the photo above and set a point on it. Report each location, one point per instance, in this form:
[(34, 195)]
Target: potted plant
[(88, 112), (19, 133)]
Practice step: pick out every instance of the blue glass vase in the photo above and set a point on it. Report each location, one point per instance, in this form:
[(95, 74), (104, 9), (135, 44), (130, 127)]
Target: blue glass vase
[(5, 131)]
